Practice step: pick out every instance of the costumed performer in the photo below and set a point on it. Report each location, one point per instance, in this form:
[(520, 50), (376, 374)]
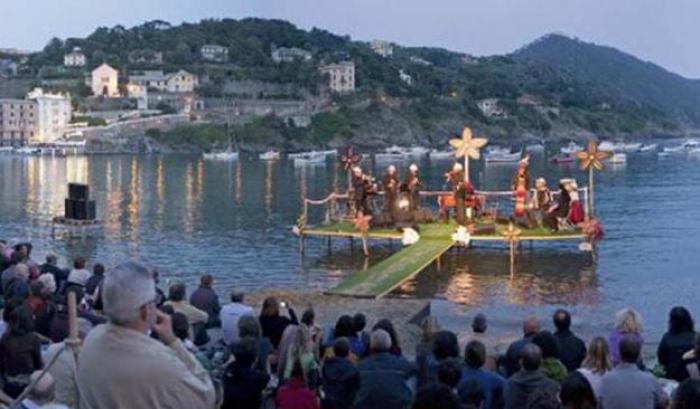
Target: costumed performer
[(390, 183), (413, 185), (576, 213), (560, 210)]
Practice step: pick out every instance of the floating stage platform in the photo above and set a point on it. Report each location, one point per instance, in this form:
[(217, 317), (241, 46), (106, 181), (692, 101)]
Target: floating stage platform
[(435, 240)]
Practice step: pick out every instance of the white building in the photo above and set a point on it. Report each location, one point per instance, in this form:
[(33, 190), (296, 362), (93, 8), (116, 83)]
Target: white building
[(18, 121), (341, 76), (491, 109), (213, 52), (75, 58), (405, 77), (284, 54), (105, 82), (383, 48), (140, 94), (54, 112), (180, 81)]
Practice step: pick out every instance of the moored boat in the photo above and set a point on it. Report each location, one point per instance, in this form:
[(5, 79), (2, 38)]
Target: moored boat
[(561, 159), (270, 155), (571, 148)]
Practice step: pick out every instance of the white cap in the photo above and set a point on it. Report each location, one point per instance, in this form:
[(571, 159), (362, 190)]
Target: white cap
[(356, 169), (391, 168), (413, 167), (457, 167)]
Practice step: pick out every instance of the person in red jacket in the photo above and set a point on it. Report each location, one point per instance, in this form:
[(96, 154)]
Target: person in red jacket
[(295, 394)]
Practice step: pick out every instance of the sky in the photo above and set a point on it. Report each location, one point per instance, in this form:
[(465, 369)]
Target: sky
[(665, 32)]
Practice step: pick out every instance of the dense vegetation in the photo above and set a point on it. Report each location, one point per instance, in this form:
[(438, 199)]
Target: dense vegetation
[(588, 88)]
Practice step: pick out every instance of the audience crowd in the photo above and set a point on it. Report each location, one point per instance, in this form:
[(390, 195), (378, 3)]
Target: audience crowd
[(144, 347)]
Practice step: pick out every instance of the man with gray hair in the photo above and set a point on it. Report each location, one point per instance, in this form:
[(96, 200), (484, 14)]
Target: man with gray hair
[(384, 378), (230, 315), (121, 366)]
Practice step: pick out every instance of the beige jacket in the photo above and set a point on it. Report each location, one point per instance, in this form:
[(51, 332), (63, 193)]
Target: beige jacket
[(120, 368), (194, 315)]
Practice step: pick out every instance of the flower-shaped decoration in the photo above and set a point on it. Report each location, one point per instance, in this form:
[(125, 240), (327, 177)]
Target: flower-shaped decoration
[(349, 158), (410, 236), (593, 229), (511, 234), (461, 236), (361, 223), (592, 158), (468, 146)]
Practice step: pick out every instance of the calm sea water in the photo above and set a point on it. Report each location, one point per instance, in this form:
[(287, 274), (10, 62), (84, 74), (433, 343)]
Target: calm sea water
[(189, 216)]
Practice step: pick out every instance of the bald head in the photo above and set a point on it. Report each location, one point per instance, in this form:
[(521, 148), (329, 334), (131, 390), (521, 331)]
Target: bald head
[(531, 357), (531, 326)]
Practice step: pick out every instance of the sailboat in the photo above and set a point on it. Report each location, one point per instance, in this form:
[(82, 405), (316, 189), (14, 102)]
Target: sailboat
[(228, 154)]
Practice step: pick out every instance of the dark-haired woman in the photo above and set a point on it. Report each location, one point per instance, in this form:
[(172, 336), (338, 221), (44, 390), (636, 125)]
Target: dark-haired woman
[(273, 324), (20, 352), (677, 341)]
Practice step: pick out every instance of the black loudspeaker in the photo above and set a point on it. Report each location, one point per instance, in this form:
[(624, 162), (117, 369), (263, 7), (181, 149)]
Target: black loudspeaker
[(84, 209), (78, 191), (80, 209), (69, 213)]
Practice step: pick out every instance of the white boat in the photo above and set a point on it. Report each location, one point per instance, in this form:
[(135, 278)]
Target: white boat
[(321, 154), (535, 148), (608, 146), (441, 155), (502, 157), (6, 149), (649, 148), (417, 151), (571, 148), (28, 150), (495, 149), (690, 144), (270, 155), (694, 151), (223, 155), (630, 147), (315, 159), (673, 149), (394, 152), (618, 158)]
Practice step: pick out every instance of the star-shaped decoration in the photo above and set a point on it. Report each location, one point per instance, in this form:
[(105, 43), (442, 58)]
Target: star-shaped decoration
[(361, 223), (349, 158), (511, 234), (592, 158), (468, 146)]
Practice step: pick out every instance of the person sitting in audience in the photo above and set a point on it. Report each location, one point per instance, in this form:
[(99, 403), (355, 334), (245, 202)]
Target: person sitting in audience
[(78, 275), (687, 395), (472, 395), (384, 376), (479, 327), (435, 395), (177, 299), (273, 324), (122, 367), (491, 384), (295, 394), (93, 283), (677, 341), (596, 364), (627, 322), (511, 363), (249, 327), (576, 393), (205, 299), (230, 315), (572, 349), (51, 267), (359, 322), (340, 377), (18, 284), (387, 326), (243, 384), (424, 349), (551, 365), (527, 380), (628, 387), (20, 352)]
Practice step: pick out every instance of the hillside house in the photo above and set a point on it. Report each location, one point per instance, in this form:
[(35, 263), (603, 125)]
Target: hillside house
[(341, 76)]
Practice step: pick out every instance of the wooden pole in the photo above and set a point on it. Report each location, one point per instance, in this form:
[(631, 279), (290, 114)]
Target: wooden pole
[(590, 190), (512, 257), (365, 249)]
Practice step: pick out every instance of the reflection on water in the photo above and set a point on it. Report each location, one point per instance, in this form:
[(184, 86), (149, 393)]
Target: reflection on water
[(232, 220)]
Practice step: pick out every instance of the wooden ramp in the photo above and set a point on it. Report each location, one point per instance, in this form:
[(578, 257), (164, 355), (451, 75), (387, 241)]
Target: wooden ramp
[(390, 273)]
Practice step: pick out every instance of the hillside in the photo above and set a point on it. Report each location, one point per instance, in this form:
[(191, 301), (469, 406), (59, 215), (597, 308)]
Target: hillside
[(612, 75), (555, 87)]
